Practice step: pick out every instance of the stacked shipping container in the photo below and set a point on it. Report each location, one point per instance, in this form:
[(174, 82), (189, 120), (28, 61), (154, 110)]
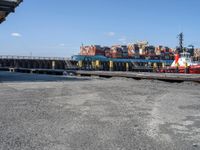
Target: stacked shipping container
[(197, 54), (133, 50), (116, 52)]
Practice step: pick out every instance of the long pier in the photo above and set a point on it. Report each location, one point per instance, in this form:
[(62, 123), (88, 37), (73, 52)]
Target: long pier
[(85, 63), (33, 62), (60, 66)]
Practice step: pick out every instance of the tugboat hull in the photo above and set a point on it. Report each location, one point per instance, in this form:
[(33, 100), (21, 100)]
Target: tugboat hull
[(195, 69)]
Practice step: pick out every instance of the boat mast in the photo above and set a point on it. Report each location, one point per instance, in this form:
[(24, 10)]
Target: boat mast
[(181, 41)]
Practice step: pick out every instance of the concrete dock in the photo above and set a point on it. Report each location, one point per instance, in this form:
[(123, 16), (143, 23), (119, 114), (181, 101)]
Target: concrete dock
[(170, 77), (90, 113), (144, 75)]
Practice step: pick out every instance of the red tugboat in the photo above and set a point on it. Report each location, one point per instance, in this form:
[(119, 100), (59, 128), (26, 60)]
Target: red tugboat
[(183, 63)]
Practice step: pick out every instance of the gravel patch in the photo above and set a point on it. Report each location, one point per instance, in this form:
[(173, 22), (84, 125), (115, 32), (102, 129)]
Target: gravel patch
[(72, 113)]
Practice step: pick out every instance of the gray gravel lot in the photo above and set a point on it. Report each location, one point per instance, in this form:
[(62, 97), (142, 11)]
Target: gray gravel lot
[(40, 112)]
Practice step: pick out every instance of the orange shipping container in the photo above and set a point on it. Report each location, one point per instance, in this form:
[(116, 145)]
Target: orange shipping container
[(116, 52), (133, 50), (91, 50)]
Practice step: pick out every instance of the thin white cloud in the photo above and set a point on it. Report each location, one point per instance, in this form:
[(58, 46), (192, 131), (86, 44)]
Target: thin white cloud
[(110, 34), (123, 40), (61, 44), (15, 34)]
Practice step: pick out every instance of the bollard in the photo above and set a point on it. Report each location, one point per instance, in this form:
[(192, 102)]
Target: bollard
[(127, 66), (93, 65), (111, 65), (177, 68), (80, 64), (186, 68), (97, 64), (53, 65), (149, 64), (163, 65), (155, 66)]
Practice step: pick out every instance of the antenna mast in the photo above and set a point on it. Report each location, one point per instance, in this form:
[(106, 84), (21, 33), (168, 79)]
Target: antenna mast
[(181, 41)]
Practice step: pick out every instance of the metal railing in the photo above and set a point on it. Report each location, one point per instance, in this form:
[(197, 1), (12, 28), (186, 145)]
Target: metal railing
[(32, 57)]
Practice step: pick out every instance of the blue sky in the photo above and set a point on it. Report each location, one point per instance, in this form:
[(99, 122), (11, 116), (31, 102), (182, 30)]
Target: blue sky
[(59, 27)]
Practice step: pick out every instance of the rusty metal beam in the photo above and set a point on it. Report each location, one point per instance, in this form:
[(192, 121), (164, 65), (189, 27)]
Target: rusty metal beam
[(7, 7)]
